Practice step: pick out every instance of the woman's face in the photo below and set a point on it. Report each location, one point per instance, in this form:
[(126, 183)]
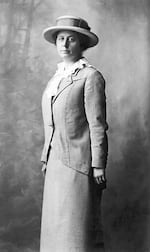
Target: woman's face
[(68, 46)]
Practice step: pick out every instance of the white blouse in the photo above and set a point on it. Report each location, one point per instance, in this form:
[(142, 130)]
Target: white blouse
[(62, 72)]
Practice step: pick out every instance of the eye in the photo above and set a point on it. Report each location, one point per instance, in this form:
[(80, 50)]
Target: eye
[(72, 39), (60, 38)]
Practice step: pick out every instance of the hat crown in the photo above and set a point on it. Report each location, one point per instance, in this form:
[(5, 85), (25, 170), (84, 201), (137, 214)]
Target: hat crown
[(73, 22)]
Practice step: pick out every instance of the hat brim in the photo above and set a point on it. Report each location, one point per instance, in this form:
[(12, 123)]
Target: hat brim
[(50, 34)]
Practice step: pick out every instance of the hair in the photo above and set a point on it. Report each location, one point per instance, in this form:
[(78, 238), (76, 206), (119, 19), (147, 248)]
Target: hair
[(84, 41)]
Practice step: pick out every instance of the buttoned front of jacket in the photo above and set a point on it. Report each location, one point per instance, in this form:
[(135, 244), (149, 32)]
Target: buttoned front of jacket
[(75, 121)]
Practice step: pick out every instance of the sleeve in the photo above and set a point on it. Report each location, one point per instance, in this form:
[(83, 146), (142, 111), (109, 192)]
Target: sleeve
[(95, 108), (48, 126)]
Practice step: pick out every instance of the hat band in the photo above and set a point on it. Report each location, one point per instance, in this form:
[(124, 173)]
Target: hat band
[(73, 22)]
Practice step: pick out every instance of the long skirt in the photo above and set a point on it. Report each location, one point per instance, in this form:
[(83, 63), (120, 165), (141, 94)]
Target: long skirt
[(71, 210)]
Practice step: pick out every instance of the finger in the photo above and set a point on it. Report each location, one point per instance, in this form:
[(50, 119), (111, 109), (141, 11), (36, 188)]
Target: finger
[(98, 180), (44, 173), (103, 178)]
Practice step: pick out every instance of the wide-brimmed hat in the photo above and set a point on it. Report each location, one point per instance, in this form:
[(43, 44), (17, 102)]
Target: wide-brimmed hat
[(71, 23)]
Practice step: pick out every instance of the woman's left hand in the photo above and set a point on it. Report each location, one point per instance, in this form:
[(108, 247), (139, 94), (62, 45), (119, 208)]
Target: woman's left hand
[(99, 175), (44, 169)]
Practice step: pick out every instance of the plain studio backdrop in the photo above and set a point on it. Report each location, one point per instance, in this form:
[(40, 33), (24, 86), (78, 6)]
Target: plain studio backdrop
[(26, 64)]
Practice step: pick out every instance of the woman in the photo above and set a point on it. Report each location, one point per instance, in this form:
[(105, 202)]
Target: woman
[(75, 150)]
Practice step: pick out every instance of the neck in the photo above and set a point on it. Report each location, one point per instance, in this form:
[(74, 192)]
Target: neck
[(70, 62)]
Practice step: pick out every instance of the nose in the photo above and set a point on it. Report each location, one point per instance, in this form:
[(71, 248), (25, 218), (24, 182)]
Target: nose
[(65, 43)]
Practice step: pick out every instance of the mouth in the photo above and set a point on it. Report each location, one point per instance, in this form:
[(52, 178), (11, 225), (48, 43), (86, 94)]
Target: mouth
[(65, 51)]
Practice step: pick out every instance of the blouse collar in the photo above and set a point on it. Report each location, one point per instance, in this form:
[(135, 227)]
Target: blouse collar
[(61, 72), (81, 63)]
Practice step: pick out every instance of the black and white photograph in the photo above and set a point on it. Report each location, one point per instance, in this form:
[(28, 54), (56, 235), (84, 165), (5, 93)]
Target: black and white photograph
[(74, 126)]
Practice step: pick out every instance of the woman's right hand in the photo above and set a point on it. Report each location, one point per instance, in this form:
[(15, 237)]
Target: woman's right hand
[(44, 169)]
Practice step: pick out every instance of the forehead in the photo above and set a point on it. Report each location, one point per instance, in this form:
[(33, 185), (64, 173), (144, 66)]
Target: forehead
[(67, 33)]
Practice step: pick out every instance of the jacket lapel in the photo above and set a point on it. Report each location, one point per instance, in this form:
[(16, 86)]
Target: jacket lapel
[(63, 85), (65, 82)]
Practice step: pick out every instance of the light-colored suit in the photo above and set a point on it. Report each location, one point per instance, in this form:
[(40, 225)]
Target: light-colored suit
[(75, 121)]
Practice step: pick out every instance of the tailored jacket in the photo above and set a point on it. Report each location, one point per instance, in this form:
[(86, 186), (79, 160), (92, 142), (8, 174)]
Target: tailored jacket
[(75, 121)]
